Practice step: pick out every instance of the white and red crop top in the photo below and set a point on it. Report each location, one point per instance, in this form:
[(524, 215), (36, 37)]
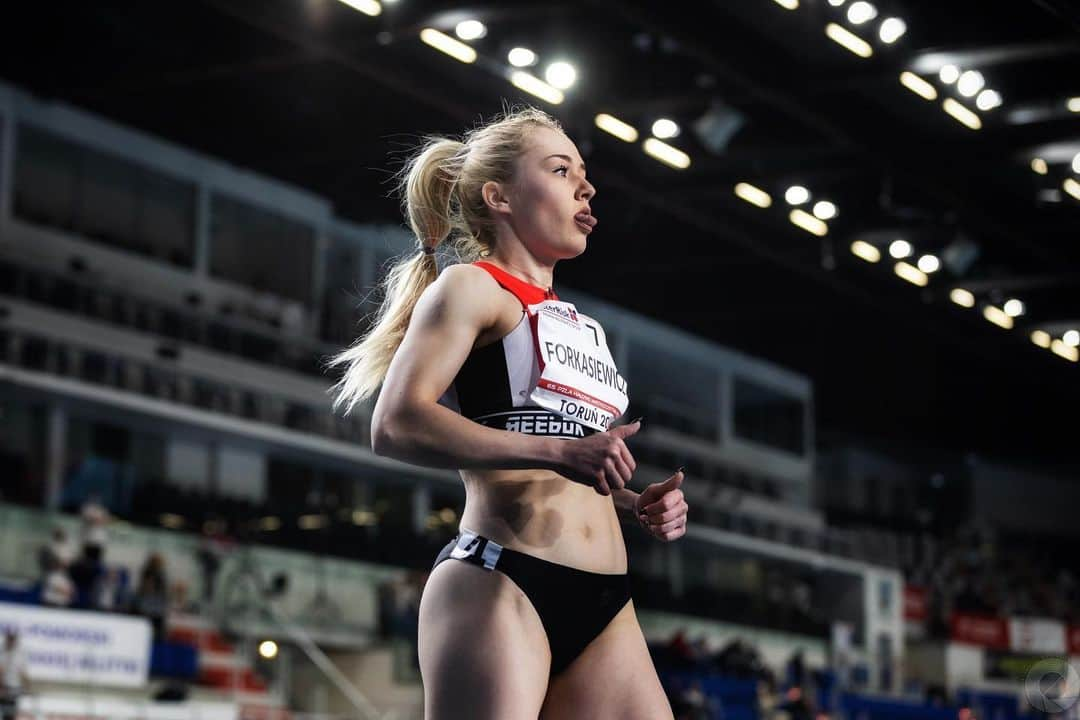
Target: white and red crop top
[(551, 375)]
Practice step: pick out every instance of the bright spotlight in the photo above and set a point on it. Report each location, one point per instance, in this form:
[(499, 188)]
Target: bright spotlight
[(836, 3), (788, 4), (1059, 348), (665, 128), (444, 43), (929, 263), (1014, 307), (268, 649), (470, 30), (1073, 104), (988, 100), (912, 274), (535, 86), (753, 195), (808, 222), (849, 40), (521, 57), (368, 7), (615, 126), (949, 74), (861, 12), (666, 154), (561, 75), (900, 249), (891, 30), (824, 210), (1041, 338), (917, 85), (970, 82), (962, 297), (967, 117), (866, 251), (796, 195), (997, 316), (1071, 338), (1039, 165), (1072, 187), (1076, 163)]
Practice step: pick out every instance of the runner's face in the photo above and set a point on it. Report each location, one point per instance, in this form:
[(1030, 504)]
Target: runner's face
[(550, 197)]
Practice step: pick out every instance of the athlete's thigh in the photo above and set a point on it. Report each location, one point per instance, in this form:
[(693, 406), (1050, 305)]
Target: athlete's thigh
[(483, 651), (614, 678)]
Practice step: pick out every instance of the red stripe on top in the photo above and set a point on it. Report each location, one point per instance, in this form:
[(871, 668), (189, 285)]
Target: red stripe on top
[(526, 293)]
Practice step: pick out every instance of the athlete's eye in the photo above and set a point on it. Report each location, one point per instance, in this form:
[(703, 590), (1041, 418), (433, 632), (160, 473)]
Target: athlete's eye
[(562, 169)]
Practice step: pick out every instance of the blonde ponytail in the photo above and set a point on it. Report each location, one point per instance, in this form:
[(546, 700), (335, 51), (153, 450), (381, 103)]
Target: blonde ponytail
[(441, 198)]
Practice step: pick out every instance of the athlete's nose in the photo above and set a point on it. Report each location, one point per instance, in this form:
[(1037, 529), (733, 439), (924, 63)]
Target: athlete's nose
[(586, 191)]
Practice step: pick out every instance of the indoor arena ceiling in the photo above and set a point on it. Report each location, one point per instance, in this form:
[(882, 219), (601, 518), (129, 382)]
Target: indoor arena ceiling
[(326, 97)]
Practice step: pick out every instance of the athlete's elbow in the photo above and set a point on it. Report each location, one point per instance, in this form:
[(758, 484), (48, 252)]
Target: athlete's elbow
[(384, 438), (391, 432)]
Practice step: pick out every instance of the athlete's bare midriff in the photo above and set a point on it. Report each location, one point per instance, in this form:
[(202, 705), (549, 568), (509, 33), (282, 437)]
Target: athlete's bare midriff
[(541, 513)]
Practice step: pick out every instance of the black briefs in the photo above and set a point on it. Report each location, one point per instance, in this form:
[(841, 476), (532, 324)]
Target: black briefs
[(574, 605)]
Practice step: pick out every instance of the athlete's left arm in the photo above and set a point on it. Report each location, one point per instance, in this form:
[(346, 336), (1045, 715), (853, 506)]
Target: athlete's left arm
[(625, 500), (660, 509)]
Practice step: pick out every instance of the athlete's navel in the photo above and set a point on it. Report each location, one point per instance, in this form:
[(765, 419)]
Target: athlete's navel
[(587, 532)]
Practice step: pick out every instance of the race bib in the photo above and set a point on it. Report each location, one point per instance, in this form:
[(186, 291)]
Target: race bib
[(578, 378)]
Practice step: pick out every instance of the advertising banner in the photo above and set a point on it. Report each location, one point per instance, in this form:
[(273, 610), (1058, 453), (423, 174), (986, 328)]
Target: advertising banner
[(1037, 635), (991, 632), (70, 646)]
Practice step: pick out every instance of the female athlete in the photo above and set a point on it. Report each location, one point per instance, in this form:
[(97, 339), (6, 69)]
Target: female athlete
[(527, 613)]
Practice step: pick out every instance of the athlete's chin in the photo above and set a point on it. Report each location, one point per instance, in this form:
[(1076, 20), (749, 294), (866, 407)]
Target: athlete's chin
[(576, 245)]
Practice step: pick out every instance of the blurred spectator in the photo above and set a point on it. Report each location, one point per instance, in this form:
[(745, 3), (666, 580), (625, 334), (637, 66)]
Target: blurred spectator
[(57, 550), (151, 595), (680, 649), (14, 678), (84, 572), (214, 544), (693, 704), (94, 535), (796, 704), (108, 593), (57, 590), (796, 669)]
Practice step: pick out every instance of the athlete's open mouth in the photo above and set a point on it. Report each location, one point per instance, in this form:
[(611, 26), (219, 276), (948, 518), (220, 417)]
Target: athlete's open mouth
[(585, 221)]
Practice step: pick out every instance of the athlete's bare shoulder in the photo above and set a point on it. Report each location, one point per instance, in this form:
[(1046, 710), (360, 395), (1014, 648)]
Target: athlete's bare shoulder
[(465, 277), (462, 292)]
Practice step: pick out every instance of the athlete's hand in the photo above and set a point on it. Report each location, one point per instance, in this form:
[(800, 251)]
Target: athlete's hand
[(601, 460), (661, 508)]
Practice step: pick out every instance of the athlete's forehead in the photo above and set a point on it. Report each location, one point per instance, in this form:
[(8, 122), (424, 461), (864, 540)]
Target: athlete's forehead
[(551, 145)]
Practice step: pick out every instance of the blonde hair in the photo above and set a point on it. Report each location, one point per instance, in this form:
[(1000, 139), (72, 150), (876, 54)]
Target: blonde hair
[(439, 188)]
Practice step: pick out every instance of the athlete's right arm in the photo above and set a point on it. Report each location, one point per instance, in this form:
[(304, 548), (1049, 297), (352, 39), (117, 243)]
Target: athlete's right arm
[(409, 424)]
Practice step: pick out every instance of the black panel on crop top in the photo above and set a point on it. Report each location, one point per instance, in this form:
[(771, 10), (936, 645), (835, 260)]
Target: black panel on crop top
[(494, 382)]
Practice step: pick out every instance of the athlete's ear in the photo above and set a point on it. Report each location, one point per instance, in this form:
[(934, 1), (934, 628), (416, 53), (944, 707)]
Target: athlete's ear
[(495, 197)]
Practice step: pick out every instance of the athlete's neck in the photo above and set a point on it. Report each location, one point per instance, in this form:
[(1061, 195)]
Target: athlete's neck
[(526, 268)]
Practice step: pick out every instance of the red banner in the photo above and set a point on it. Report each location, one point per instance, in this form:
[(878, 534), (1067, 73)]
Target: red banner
[(1074, 639), (991, 632), (916, 603)]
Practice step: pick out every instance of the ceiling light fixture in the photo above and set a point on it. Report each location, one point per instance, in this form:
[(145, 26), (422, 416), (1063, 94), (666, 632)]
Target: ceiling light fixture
[(614, 126), (451, 46), (666, 154), (753, 195), (961, 113), (844, 37), (917, 85)]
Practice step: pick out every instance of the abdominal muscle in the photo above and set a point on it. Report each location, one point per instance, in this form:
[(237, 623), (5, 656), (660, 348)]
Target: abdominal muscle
[(541, 513)]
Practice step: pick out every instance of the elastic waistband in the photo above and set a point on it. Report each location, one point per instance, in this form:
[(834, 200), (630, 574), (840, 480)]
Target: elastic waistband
[(475, 548)]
